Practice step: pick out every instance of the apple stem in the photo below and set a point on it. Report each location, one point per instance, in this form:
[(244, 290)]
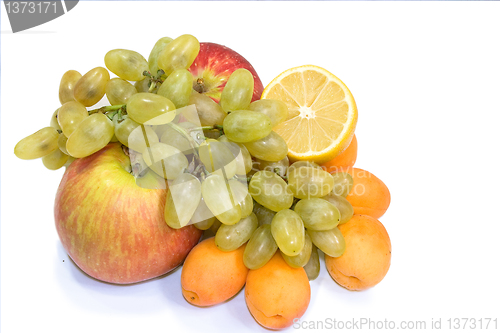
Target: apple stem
[(199, 85)]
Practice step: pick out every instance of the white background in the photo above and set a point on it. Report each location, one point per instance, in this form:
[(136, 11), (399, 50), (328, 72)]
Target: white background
[(426, 79)]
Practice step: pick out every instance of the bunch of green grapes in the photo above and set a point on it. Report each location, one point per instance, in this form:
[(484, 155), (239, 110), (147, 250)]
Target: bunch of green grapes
[(297, 209), (136, 97)]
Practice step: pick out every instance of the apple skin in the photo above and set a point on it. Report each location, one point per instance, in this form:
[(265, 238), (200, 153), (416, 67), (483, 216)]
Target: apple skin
[(213, 66), (111, 228)]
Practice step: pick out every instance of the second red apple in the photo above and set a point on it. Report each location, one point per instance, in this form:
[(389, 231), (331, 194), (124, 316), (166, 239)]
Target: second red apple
[(213, 66)]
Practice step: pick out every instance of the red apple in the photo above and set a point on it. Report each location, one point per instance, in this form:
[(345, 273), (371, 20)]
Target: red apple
[(114, 230), (213, 66)]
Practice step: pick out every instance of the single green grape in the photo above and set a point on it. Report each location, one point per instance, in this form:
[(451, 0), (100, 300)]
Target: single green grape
[(345, 208), (91, 135), (271, 148), (118, 91), (70, 115), (177, 139), (179, 53), (203, 218), (303, 257), (150, 109), (160, 129), (142, 137), (67, 85), (124, 125), (288, 232), (246, 159), (243, 158), (318, 214), (155, 52), (91, 87), (312, 267), (280, 166), (331, 242), (38, 144), (219, 200), (184, 195), (61, 143), (53, 120), (231, 237), (260, 248), (246, 126), (299, 164), (246, 206), (309, 182), (264, 215), (238, 91), (69, 161), (205, 224), (239, 191), (128, 65), (276, 110), (270, 190), (167, 161), (215, 156), (343, 183), (209, 112), (55, 160), (177, 87)]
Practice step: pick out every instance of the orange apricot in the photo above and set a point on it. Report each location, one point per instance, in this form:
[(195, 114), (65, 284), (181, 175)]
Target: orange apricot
[(367, 257), (345, 159), (211, 276), (276, 293), (369, 195)]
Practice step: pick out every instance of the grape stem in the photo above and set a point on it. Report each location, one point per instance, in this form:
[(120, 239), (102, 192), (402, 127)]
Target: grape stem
[(210, 128), (277, 171), (109, 108), (154, 80)]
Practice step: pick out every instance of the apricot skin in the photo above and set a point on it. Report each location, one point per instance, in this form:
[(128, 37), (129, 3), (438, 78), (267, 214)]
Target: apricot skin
[(369, 195), (367, 257), (276, 293), (345, 159), (211, 276)]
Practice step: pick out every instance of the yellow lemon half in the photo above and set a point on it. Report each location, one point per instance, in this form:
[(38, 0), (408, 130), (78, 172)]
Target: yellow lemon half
[(322, 114)]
